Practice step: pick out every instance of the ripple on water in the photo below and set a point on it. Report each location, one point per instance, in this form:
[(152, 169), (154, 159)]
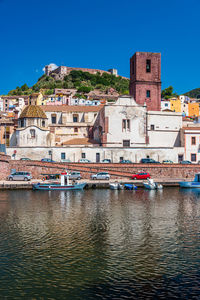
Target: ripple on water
[(100, 244)]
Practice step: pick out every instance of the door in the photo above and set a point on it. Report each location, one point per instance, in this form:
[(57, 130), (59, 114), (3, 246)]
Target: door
[(97, 157)]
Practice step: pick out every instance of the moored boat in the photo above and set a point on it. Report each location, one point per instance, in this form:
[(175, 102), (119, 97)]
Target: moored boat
[(116, 186), (191, 184), (151, 185), (130, 186), (64, 184)]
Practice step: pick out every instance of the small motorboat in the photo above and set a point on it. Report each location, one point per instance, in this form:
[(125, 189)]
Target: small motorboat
[(116, 186), (151, 185), (64, 184), (130, 186), (191, 184)]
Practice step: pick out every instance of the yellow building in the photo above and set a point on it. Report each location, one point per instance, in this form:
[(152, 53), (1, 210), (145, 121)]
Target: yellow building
[(193, 109), (35, 99), (175, 104)]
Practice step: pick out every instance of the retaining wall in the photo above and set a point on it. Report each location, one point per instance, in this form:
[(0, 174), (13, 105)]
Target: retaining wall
[(4, 166), (162, 171)]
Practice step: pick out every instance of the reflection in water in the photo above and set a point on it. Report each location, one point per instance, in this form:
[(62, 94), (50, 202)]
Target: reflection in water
[(100, 244)]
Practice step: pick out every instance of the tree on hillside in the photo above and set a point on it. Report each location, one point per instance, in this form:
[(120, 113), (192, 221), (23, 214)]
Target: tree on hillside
[(24, 87), (168, 93)]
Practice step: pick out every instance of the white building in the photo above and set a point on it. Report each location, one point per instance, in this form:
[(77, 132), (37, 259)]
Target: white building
[(190, 138), (165, 104), (32, 130), (126, 124), (1, 104)]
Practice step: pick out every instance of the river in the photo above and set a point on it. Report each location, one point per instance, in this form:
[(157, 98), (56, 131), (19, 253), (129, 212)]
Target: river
[(100, 244)]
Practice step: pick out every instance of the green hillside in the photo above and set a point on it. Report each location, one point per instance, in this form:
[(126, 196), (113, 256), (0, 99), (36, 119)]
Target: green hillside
[(195, 93), (84, 82)]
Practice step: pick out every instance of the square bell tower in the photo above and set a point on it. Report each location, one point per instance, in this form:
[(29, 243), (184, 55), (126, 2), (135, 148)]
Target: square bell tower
[(145, 79)]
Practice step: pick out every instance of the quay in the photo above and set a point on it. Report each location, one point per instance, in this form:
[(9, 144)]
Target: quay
[(91, 184)]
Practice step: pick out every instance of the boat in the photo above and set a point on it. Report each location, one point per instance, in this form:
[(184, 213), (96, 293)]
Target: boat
[(191, 184), (116, 186), (64, 184), (130, 186), (151, 185)]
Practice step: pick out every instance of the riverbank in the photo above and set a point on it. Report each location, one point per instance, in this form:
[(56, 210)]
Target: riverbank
[(91, 184)]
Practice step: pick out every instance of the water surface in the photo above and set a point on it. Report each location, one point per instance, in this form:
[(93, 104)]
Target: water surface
[(100, 244)]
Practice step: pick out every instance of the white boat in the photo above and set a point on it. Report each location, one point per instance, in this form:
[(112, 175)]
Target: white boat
[(116, 186), (151, 185), (191, 184), (64, 184)]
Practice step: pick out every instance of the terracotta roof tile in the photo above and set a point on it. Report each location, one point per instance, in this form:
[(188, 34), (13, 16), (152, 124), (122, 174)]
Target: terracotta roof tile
[(191, 128), (33, 111), (71, 108), (80, 141)]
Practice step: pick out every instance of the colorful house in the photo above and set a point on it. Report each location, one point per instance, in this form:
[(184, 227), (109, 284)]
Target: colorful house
[(175, 104), (193, 109)]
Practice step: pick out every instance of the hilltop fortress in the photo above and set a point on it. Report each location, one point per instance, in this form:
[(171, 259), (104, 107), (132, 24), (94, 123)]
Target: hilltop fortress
[(62, 71)]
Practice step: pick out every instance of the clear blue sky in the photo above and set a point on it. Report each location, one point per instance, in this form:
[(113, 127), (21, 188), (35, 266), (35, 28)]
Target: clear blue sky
[(98, 34)]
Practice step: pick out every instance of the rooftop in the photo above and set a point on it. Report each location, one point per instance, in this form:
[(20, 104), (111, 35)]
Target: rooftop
[(80, 141), (71, 108), (33, 111)]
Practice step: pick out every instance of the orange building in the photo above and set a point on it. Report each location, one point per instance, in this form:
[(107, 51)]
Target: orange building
[(193, 109)]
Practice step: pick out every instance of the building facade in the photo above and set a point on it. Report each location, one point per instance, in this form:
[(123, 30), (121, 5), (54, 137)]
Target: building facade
[(190, 139), (121, 130)]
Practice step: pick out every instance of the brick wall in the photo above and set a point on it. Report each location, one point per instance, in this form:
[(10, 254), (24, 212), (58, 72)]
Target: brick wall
[(38, 168), (4, 166), (141, 81)]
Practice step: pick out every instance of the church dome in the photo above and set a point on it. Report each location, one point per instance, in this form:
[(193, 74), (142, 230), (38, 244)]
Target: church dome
[(33, 111)]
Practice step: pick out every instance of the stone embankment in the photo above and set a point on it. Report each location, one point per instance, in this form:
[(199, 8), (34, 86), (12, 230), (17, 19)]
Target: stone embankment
[(91, 184), (37, 168), (162, 171)]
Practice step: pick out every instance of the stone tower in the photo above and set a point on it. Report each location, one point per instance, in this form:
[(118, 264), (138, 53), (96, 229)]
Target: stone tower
[(145, 79), (48, 69)]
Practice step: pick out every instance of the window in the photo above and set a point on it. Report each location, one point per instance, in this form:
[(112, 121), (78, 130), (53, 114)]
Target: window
[(75, 129), (193, 157), (32, 132), (166, 104), (123, 124), (180, 157), (43, 123), (148, 93), (152, 127), (193, 140), (75, 118), (53, 118), (62, 155), (126, 143), (83, 155), (121, 158), (126, 125), (148, 66)]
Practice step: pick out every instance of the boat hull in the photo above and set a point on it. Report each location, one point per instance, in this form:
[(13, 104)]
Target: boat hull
[(57, 187), (149, 186), (129, 186), (189, 184), (116, 186)]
